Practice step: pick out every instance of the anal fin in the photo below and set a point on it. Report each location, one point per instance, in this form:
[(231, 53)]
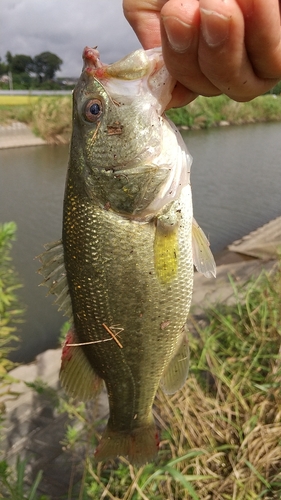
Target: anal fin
[(77, 376), (176, 372)]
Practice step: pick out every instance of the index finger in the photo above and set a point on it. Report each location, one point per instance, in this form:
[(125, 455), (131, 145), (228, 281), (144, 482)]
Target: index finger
[(144, 17)]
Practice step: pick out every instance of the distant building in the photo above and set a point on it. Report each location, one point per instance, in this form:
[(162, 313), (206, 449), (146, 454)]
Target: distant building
[(4, 79)]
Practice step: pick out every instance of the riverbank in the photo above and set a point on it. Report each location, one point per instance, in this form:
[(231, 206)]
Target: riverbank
[(35, 429), (17, 135), (207, 112), (50, 117)]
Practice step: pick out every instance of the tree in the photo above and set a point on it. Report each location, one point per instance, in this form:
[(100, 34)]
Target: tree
[(45, 65), (3, 67), (9, 59), (21, 64)]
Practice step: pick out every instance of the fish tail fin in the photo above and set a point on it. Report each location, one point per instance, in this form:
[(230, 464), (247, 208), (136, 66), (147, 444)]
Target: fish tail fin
[(140, 445)]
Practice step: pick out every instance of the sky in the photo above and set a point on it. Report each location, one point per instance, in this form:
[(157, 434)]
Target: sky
[(65, 27)]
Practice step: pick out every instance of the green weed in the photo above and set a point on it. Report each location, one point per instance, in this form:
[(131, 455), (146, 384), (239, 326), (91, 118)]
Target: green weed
[(10, 312), (205, 112), (221, 433), (51, 118), (13, 483)]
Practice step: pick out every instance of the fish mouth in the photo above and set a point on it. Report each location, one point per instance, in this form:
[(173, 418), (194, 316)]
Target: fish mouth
[(140, 72), (91, 58), (132, 67)]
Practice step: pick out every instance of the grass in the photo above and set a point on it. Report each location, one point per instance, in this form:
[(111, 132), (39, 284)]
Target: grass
[(221, 434), (16, 108), (207, 112), (13, 482), (50, 116), (17, 100), (11, 314)]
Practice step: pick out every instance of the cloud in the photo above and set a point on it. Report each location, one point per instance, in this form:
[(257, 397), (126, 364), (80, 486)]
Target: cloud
[(64, 27)]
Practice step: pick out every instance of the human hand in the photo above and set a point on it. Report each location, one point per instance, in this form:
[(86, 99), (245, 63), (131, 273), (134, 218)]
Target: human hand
[(212, 47)]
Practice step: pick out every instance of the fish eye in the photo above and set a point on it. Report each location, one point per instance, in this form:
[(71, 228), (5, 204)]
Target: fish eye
[(93, 110)]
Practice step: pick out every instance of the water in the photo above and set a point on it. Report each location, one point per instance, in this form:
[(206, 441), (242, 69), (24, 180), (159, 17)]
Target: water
[(31, 193), (236, 179), (236, 182)]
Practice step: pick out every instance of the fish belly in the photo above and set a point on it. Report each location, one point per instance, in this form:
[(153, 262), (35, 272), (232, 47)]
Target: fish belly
[(135, 280)]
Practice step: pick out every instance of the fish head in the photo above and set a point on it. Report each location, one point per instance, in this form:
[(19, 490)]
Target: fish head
[(116, 109)]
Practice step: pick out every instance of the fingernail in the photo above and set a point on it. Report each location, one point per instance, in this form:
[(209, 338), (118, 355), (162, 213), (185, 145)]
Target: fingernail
[(214, 26), (179, 34)]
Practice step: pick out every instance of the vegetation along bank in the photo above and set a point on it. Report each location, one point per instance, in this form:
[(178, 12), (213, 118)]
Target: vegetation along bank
[(221, 436), (50, 116)]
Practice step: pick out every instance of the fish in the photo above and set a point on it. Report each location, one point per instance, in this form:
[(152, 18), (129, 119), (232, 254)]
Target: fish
[(123, 269)]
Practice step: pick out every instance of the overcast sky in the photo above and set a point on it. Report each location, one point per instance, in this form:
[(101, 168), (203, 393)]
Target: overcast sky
[(64, 27)]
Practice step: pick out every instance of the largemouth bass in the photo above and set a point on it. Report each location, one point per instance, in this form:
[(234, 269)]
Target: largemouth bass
[(124, 268)]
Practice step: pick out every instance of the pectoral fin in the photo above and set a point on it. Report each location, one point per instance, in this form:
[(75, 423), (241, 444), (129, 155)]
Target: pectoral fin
[(176, 372), (54, 274), (202, 256), (77, 376)]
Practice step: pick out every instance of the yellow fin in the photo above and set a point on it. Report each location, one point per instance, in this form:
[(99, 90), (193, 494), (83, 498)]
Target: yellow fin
[(77, 376), (176, 372), (202, 256), (166, 251)]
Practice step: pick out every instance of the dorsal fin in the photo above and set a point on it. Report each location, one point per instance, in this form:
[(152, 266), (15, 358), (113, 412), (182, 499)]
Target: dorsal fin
[(202, 256), (54, 274)]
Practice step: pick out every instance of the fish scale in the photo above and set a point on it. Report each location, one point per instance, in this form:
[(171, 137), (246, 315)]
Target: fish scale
[(120, 250), (125, 264), (101, 298)]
